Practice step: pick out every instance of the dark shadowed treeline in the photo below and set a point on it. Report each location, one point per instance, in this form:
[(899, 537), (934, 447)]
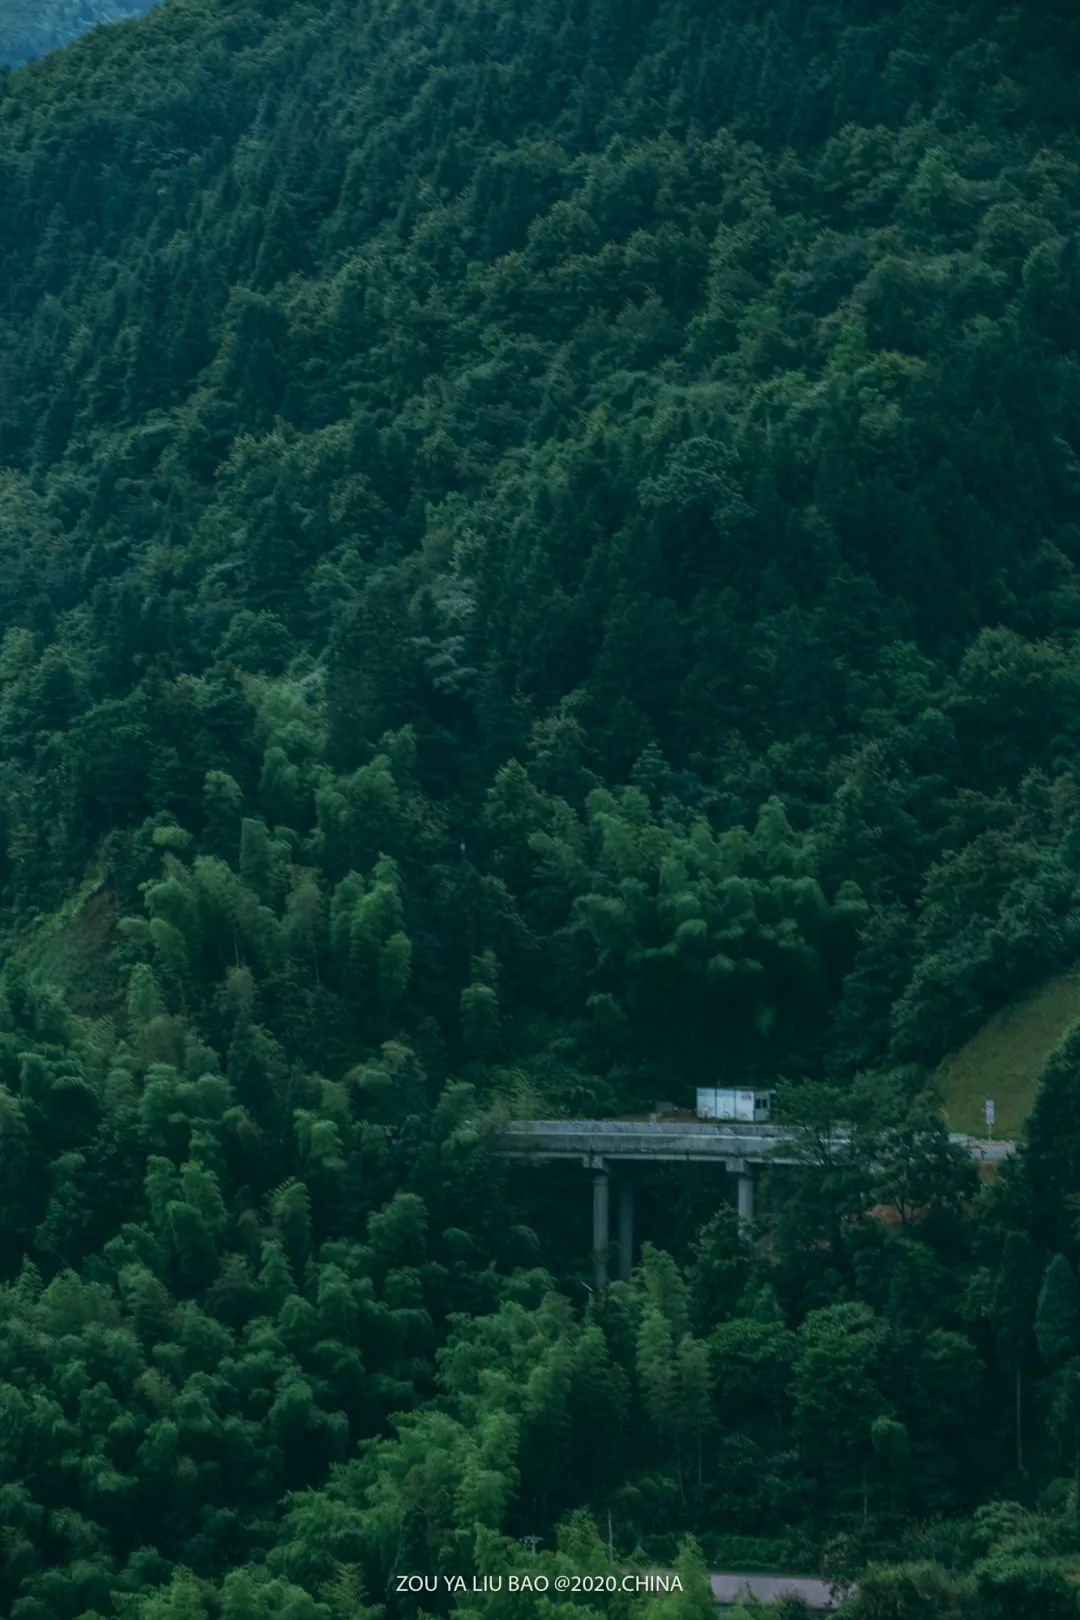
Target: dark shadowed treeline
[(538, 567)]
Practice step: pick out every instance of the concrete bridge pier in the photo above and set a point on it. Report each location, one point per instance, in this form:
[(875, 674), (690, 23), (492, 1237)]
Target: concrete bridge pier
[(601, 1224), (745, 1194)]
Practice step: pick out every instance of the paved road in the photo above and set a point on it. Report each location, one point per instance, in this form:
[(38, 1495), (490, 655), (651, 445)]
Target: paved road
[(767, 1588)]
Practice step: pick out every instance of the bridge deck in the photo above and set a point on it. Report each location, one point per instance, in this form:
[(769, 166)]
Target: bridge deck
[(591, 1141)]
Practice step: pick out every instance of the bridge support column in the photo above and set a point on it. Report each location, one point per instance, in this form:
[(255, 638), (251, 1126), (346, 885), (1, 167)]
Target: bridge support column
[(746, 1196), (601, 1226), (626, 1225)]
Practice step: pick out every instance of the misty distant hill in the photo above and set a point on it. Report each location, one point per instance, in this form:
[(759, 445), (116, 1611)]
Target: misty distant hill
[(29, 28)]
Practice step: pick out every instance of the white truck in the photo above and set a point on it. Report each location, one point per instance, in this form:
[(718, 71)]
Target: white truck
[(748, 1107)]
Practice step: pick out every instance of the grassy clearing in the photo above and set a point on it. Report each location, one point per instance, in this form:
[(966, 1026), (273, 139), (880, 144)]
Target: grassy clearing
[(1004, 1058)]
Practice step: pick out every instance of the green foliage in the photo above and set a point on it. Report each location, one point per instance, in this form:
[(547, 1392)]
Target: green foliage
[(1057, 1314), (538, 556), (908, 1592)]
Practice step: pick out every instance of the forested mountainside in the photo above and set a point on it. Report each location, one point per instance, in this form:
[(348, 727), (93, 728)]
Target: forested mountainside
[(32, 27), (539, 567)]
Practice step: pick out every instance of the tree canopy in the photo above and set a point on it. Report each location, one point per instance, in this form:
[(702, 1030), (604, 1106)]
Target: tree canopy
[(538, 569)]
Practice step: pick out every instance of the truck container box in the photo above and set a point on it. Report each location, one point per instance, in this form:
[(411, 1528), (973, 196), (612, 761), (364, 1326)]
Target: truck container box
[(725, 1102)]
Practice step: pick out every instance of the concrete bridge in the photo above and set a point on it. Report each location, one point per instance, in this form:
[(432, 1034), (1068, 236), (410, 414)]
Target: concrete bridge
[(610, 1147)]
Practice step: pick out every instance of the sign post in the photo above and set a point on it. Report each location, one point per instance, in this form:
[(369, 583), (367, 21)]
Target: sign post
[(991, 1115)]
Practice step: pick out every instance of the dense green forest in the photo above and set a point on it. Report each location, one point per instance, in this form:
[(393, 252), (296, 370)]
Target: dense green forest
[(32, 27), (539, 567)]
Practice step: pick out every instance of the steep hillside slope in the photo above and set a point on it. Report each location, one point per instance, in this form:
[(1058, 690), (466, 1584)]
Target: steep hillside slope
[(539, 559), (1003, 1059), (604, 397)]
